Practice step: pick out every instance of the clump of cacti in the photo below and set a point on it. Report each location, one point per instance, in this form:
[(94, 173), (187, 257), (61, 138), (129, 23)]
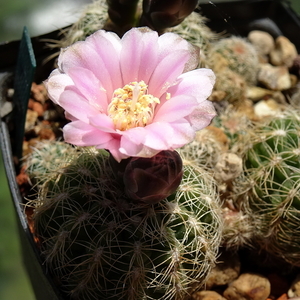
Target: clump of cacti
[(99, 244), (236, 54), (272, 190)]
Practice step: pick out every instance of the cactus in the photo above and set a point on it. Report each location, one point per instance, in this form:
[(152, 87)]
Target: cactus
[(46, 158), (238, 229), (236, 54), (272, 166), (234, 123), (213, 149), (194, 30), (93, 17), (98, 244), (205, 150), (232, 86)]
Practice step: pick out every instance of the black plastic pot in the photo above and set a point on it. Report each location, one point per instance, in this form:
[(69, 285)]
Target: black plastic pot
[(17, 69), (237, 17)]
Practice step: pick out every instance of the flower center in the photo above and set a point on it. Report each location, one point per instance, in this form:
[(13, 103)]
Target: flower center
[(131, 106)]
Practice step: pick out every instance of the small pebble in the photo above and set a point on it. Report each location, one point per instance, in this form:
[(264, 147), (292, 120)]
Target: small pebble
[(266, 108), (38, 107), (31, 119), (284, 53), (274, 78), (207, 295), (295, 68), (262, 41), (10, 93), (225, 271), (39, 92), (46, 134), (256, 93), (248, 287), (228, 167), (294, 290)]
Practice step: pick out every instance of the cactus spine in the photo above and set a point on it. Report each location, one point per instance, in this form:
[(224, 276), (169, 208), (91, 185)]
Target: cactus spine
[(47, 158), (93, 17), (100, 245)]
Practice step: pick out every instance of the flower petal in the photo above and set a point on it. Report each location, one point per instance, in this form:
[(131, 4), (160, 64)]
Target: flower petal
[(198, 83), (108, 46), (83, 55), (159, 136), (76, 105), (170, 136), (89, 87), (132, 141), (202, 115), (103, 122), (175, 108), (81, 134), (139, 55), (183, 133), (170, 41), (167, 71), (56, 84), (113, 147)]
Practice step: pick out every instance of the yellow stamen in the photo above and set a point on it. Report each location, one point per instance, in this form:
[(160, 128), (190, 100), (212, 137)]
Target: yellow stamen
[(131, 106)]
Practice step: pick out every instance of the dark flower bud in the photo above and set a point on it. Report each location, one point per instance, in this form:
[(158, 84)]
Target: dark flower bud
[(150, 180), (161, 14), (122, 15)]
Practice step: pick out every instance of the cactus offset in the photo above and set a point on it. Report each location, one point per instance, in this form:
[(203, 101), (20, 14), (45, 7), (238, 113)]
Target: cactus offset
[(238, 55), (47, 158), (100, 245), (206, 148)]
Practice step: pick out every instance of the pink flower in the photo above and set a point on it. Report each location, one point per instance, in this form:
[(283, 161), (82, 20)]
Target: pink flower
[(134, 96)]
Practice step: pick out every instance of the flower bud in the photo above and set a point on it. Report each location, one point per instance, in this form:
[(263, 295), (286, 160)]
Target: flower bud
[(161, 14), (150, 180), (122, 14)]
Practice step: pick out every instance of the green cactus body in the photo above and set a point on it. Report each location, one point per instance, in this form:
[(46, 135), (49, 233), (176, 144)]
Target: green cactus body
[(238, 55), (100, 245), (272, 166)]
